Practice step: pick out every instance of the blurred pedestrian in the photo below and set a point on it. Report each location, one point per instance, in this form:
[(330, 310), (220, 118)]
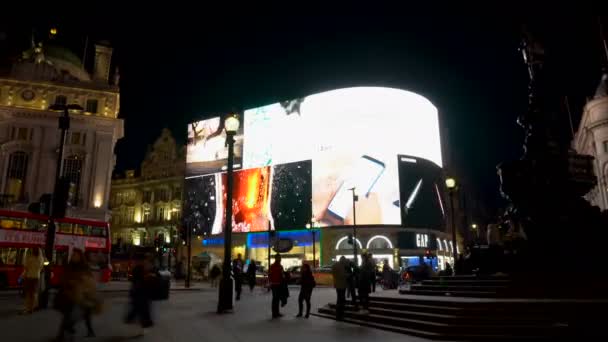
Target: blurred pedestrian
[(214, 274), (352, 272), (448, 269), (237, 272), (140, 294), (367, 275), (251, 274), (276, 278), (339, 274), (31, 279), (307, 283), (77, 295)]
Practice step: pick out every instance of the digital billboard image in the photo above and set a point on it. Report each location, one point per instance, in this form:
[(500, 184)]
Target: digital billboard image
[(206, 150), (250, 199), (201, 204), (321, 146), (422, 189), (290, 203)]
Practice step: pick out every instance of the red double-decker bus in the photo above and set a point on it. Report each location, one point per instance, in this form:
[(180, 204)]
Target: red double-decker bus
[(20, 231)]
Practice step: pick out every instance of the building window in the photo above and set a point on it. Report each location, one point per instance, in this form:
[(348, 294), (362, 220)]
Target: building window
[(177, 193), (130, 214), (160, 214), (72, 169), (147, 216), (605, 146), (16, 175), (147, 196), (22, 133), (75, 138), (92, 106), (61, 100), (161, 195)]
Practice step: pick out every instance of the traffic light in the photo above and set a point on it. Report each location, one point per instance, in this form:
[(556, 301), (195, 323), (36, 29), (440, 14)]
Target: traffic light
[(349, 240)]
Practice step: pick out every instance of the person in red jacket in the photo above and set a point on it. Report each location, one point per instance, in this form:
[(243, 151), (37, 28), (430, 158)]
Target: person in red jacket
[(275, 275)]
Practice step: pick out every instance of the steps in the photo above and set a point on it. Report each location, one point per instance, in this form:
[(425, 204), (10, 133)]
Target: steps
[(459, 319), (461, 286)]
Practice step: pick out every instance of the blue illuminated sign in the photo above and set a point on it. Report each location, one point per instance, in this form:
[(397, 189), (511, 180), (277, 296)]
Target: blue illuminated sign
[(300, 238)]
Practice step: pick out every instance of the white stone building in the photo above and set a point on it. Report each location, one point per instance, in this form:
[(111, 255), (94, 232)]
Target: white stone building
[(592, 139), (29, 134)]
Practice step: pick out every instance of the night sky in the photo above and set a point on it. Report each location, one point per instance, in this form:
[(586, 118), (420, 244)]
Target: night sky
[(179, 65)]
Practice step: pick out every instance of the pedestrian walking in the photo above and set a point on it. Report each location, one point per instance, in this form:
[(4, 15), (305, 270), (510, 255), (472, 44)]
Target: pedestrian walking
[(352, 273), (366, 278), (251, 274), (339, 274), (375, 280), (140, 294), (31, 279), (77, 296), (237, 273), (307, 283), (214, 274), (276, 278)]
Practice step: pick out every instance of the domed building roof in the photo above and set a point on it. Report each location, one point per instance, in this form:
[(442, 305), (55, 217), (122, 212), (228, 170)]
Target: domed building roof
[(51, 62)]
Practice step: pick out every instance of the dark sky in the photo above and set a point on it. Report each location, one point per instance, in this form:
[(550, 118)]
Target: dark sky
[(180, 66)]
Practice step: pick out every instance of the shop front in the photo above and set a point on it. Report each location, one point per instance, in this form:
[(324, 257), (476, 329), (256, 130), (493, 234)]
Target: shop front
[(295, 247), (396, 246)]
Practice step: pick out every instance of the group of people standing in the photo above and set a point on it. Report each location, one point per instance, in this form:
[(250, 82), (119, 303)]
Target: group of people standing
[(278, 279), (358, 281)]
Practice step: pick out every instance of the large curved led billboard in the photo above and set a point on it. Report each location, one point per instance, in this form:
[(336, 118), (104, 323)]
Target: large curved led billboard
[(299, 159)]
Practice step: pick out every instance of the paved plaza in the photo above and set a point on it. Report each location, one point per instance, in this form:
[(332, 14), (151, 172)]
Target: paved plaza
[(190, 316)]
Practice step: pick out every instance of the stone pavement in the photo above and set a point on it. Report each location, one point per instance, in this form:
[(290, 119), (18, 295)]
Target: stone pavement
[(190, 316)]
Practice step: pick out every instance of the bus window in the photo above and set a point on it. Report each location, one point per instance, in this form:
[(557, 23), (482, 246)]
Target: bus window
[(10, 222), (63, 227), (98, 231), (81, 229), (34, 224), (60, 257), (12, 256)]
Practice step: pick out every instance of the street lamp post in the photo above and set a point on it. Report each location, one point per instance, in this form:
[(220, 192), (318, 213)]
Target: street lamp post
[(311, 226), (450, 183), (64, 125), (474, 228), (355, 199), (188, 262), (231, 124)]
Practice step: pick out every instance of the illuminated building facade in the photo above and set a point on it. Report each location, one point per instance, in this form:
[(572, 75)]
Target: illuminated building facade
[(148, 206), (29, 134)]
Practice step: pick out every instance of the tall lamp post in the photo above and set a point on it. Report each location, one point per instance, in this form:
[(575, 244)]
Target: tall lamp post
[(474, 229), (64, 125), (450, 183), (311, 227), (231, 124), (355, 199)]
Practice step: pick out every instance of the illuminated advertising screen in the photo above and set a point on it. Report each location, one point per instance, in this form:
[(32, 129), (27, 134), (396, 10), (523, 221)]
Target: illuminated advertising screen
[(206, 150), (322, 148)]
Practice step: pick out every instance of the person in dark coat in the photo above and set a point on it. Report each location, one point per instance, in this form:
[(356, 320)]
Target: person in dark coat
[(307, 283), (140, 293), (237, 272), (352, 273), (251, 274), (367, 276)]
